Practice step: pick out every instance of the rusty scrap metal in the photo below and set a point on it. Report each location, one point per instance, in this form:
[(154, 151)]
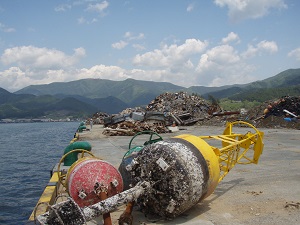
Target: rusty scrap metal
[(165, 110), (106, 216), (271, 114), (129, 128), (126, 217), (179, 103), (181, 108), (97, 118)]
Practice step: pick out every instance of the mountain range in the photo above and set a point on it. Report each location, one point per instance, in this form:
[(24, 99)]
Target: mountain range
[(84, 97)]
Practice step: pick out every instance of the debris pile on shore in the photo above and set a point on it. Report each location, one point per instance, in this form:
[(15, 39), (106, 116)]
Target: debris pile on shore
[(131, 121), (180, 103), (167, 109), (277, 107), (130, 128), (182, 109), (97, 118), (283, 112), (270, 114)]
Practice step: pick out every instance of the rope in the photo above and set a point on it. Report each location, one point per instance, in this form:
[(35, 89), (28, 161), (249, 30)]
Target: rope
[(35, 209)]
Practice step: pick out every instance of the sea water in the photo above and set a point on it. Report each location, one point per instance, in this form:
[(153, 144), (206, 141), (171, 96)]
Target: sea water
[(28, 153)]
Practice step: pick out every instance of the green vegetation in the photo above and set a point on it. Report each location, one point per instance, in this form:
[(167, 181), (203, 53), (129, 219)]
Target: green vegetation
[(128, 91), (84, 97), (265, 94), (284, 83), (231, 105), (30, 106)]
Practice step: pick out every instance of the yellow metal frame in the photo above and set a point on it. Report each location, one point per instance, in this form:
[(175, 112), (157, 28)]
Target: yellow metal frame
[(237, 148)]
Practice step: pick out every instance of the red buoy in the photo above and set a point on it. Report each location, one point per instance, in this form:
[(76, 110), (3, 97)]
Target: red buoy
[(88, 177)]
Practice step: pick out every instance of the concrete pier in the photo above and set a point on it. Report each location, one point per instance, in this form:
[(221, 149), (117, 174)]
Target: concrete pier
[(267, 193)]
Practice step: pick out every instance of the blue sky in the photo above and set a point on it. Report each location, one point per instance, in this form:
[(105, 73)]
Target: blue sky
[(188, 43)]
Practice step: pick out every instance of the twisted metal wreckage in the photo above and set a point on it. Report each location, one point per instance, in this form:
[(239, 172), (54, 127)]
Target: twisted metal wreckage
[(164, 177)]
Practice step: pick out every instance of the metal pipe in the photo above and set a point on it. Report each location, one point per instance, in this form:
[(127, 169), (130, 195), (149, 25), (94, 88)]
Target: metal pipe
[(113, 202), (67, 212)]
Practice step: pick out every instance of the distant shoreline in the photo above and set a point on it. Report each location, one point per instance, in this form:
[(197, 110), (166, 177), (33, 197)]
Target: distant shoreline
[(5, 121)]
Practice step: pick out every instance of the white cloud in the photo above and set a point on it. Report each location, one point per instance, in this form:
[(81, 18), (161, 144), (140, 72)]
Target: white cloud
[(231, 37), (119, 45), (222, 54), (31, 65), (79, 52), (222, 65), (189, 63), (15, 78), (98, 7), (295, 54), (130, 36), (234, 74), (172, 55), (250, 52), (62, 7), (103, 72), (190, 7), (172, 63), (249, 9), (138, 47), (40, 58), (263, 46), (6, 29), (83, 20), (218, 56), (269, 46)]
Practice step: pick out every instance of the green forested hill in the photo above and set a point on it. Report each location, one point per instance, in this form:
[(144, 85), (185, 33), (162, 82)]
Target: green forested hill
[(286, 78), (128, 91), (135, 92), (90, 95), (31, 106), (265, 94), (284, 83)]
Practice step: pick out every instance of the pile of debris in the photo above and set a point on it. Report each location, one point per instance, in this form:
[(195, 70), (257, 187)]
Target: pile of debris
[(97, 118), (168, 109), (165, 111), (185, 109), (130, 128), (181, 109), (131, 121), (283, 112)]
